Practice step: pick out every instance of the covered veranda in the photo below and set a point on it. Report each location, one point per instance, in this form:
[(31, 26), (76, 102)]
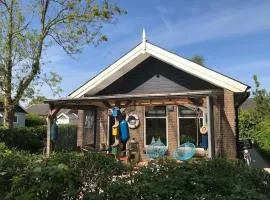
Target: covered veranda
[(196, 98)]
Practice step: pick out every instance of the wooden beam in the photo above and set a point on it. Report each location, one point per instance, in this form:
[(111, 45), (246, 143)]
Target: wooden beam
[(48, 142), (107, 104)]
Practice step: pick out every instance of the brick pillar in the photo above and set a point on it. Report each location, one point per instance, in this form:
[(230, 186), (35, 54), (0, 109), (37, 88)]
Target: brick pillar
[(172, 130), (138, 133), (228, 126)]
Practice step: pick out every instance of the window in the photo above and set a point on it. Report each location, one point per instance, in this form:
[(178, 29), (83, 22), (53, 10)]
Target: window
[(155, 124), (15, 119), (89, 119), (190, 120)]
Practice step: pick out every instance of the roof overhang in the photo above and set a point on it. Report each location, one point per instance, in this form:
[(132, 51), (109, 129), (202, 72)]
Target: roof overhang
[(144, 51), (99, 100)]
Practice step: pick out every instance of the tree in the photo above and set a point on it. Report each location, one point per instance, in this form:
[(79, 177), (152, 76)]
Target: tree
[(198, 59), (262, 100), (37, 100), (26, 31)]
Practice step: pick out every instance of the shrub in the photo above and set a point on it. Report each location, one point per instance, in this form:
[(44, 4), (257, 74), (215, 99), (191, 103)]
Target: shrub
[(214, 179), (262, 136), (33, 138), (248, 121), (24, 138), (95, 176), (66, 176), (12, 163), (34, 120)]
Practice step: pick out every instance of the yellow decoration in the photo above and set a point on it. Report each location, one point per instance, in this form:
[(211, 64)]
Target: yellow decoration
[(115, 130), (203, 130)]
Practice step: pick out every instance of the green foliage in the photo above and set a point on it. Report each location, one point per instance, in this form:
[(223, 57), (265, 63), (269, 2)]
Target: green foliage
[(262, 136), (198, 59), (254, 123), (37, 100), (66, 176), (262, 100), (213, 179), (33, 138), (24, 138), (248, 120), (95, 176), (187, 138), (27, 32), (12, 163), (34, 120)]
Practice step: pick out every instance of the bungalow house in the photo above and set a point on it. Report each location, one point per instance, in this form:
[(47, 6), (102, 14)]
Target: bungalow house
[(64, 116), (19, 115), (164, 96)]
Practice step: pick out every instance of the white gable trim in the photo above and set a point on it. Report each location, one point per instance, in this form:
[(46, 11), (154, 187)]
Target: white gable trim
[(141, 53), (64, 115)]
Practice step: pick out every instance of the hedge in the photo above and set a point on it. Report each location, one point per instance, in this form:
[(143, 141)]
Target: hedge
[(24, 138), (33, 138), (95, 176), (34, 120)]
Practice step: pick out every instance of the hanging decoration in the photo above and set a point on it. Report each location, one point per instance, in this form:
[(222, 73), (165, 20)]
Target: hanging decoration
[(133, 120), (124, 133)]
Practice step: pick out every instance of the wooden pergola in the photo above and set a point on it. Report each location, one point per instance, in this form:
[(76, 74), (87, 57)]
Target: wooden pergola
[(125, 100)]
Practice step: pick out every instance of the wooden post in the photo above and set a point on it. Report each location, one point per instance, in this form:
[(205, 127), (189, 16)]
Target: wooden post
[(49, 125)]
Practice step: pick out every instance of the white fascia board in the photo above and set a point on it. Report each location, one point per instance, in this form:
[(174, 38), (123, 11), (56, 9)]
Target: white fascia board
[(195, 69), (62, 114), (116, 70)]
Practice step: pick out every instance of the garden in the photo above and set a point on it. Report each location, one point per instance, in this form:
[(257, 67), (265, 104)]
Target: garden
[(73, 175)]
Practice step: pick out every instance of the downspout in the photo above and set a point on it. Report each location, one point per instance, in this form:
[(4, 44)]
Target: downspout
[(237, 122)]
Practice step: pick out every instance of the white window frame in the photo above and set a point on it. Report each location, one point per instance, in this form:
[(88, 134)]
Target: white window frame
[(178, 124), (166, 117)]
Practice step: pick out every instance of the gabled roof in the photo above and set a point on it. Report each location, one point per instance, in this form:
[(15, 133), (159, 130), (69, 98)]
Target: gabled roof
[(39, 109), (44, 108), (18, 108), (143, 51)]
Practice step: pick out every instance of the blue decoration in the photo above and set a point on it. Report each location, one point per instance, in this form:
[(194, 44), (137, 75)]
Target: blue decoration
[(185, 152), (124, 132), (156, 149), (116, 112), (204, 141), (54, 132)]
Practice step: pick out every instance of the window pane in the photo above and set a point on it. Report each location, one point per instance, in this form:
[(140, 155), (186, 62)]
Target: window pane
[(155, 111), (188, 130), (156, 127), (15, 118), (188, 112)]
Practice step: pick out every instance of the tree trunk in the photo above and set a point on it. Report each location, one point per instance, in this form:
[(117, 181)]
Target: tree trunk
[(8, 113)]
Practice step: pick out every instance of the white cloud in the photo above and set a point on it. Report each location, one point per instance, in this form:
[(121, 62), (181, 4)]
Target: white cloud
[(217, 23)]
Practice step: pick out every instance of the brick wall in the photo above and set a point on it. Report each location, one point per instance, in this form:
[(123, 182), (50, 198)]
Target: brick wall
[(229, 126), (224, 132)]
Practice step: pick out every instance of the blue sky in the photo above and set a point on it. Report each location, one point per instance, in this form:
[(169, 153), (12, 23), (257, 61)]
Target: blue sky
[(232, 35)]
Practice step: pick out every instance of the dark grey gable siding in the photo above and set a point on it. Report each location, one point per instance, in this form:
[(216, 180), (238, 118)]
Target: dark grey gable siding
[(155, 76)]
